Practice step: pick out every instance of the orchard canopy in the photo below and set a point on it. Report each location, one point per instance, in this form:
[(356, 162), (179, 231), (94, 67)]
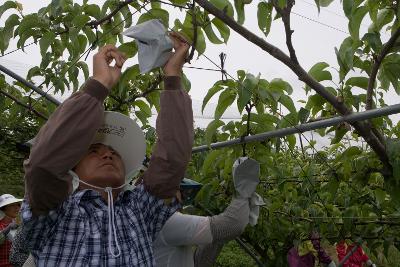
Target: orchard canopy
[(346, 190)]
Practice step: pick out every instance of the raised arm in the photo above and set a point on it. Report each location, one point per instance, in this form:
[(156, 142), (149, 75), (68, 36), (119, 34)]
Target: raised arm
[(174, 128), (66, 136), (184, 230)]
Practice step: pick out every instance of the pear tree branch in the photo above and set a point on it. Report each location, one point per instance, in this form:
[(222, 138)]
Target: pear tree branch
[(274, 51)]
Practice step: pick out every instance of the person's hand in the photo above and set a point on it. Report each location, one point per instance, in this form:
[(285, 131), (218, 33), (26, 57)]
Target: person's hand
[(102, 71), (174, 65)]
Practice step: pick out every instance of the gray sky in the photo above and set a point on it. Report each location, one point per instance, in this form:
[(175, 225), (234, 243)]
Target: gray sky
[(313, 41)]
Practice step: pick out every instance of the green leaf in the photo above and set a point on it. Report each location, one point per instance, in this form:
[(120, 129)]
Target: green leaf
[(6, 6), (212, 130), (141, 116), (325, 3), (264, 119), (244, 96), (361, 82), (46, 41), (345, 57), (31, 22), (84, 67), (348, 7), (282, 3), (239, 6), (332, 186), (390, 70), (250, 82), (288, 103), (179, 2), (90, 35), (92, 10), (82, 42), (315, 103), (281, 85), (155, 13), (318, 5), (291, 140), (187, 85), (319, 73), (130, 74), (209, 161), (373, 7), (201, 42), (351, 152), (289, 120), (222, 28), (35, 71), (303, 115), (224, 5), (143, 106), (129, 49), (155, 5), (6, 33), (211, 92), (208, 29), (126, 13), (385, 16), (339, 133), (226, 99), (264, 16), (80, 20), (355, 21), (73, 73), (25, 36), (380, 195), (374, 41)]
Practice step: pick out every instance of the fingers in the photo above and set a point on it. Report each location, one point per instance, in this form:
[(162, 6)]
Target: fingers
[(181, 46), (109, 53), (175, 36), (117, 56)]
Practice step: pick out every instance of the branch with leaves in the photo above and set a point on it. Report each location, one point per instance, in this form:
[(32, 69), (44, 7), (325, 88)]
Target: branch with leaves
[(375, 68), (152, 87), (121, 5), (285, 14), (274, 51)]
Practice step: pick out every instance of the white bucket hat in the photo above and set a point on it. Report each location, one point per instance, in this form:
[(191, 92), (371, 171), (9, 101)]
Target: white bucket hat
[(7, 199), (126, 137)]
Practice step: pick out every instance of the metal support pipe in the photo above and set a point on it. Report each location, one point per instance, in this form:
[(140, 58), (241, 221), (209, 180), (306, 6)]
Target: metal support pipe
[(360, 116), (29, 84)]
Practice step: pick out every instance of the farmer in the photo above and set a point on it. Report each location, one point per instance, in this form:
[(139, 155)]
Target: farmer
[(189, 240), (84, 148), (9, 209)]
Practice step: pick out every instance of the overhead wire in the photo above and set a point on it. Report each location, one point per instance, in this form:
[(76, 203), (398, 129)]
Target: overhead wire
[(17, 49), (318, 22)]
